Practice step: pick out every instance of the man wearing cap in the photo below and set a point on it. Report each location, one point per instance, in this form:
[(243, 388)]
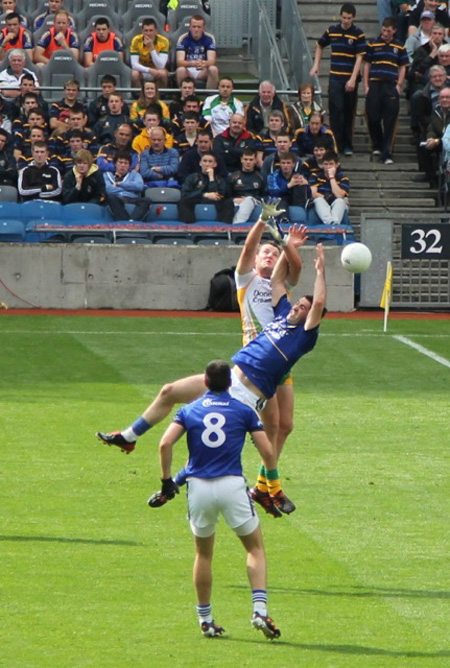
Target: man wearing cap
[(440, 15), (421, 36)]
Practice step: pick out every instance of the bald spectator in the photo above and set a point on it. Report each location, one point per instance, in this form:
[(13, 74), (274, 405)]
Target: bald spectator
[(101, 39), (159, 165), (152, 118), (107, 153), (305, 137), (196, 54), (230, 143), (149, 53), (60, 36), (218, 109), (257, 115), (10, 77)]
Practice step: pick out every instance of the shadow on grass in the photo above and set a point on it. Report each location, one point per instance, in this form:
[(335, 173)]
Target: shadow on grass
[(362, 592), (348, 649), (56, 539)]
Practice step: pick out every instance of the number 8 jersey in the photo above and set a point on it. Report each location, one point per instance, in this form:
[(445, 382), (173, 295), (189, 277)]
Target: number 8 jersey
[(216, 426)]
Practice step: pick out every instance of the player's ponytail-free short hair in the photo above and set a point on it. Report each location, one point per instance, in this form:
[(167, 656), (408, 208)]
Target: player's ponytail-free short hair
[(218, 376)]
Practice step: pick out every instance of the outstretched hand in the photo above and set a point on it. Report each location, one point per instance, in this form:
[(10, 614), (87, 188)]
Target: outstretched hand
[(297, 235), (319, 262), (270, 209)]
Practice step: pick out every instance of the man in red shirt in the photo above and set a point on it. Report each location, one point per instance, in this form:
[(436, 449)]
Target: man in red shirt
[(102, 39)]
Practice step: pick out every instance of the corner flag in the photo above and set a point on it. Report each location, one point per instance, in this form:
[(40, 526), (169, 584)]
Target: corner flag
[(385, 302)]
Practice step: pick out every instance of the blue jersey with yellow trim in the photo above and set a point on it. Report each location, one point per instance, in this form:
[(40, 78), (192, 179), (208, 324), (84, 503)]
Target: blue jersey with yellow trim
[(273, 353), (216, 426)]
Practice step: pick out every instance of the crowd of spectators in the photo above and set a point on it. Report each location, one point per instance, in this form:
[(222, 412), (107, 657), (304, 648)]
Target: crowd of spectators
[(212, 148)]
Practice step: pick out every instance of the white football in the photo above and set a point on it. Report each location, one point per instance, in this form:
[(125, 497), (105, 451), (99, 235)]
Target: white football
[(356, 258)]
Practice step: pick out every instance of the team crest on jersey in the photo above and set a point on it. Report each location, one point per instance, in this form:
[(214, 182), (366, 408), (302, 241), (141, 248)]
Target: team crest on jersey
[(350, 41), (395, 51), (206, 403)]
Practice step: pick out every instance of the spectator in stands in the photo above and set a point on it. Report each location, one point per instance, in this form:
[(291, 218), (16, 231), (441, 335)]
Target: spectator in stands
[(77, 121), (440, 15), (107, 153), (384, 74), (230, 143), (268, 137), (15, 36), (424, 58), (60, 111), (10, 77), (152, 119), (30, 101), (330, 190), (8, 167), (187, 87), (288, 183), (105, 129), (348, 46), (425, 100), (21, 130), (430, 154), (66, 161), (196, 54), (218, 109), (190, 161), (60, 36), (125, 186), (283, 144), (443, 57), (99, 107), (300, 112), (305, 138), (158, 164), (149, 53), (421, 36), (314, 164), (27, 85), (187, 139), (190, 103), (10, 7), (6, 122), (36, 134), (257, 113), (206, 187), (246, 186), (149, 97), (101, 39), (51, 8), (39, 180), (84, 182)]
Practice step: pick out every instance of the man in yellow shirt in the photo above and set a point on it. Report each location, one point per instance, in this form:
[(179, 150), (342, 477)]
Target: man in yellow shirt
[(149, 53), (152, 119)]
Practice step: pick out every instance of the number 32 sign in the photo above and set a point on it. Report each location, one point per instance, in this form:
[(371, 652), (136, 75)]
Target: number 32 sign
[(426, 242)]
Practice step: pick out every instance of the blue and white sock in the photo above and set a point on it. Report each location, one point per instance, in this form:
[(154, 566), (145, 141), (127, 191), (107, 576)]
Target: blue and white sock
[(259, 597), (204, 613)]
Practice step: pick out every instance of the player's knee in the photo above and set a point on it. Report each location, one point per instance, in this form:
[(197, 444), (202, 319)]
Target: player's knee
[(286, 427)]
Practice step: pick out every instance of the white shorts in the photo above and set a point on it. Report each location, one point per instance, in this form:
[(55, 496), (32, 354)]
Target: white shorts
[(243, 394), (227, 495), (195, 73)]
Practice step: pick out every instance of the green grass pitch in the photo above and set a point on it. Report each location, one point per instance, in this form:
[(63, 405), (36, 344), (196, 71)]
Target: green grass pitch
[(359, 575)]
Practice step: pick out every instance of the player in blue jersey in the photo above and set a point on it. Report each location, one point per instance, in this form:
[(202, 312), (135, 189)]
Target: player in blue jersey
[(259, 366), (216, 425)]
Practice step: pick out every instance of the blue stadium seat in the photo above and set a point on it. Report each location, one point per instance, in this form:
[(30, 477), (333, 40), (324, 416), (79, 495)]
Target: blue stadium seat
[(90, 240), (10, 210), (205, 212), (163, 213), (137, 241), (12, 230), (82, 213), (297, 214), (255, 214)]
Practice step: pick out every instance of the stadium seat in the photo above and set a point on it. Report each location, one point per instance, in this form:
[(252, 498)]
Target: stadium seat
[(90, 240), (172, 241), (8, 194), (89, 28), (165, 195), (62, 67), (109, 62), (98, 8), (10, 210), (11, 230), (212, 241), (81, 214), (297, 214), (255, 214), (39, 211), (186, 9), (138, 241), (205, 212), (139, 9), (163, 213)]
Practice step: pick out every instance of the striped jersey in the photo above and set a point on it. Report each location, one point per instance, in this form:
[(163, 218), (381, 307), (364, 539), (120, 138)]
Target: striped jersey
[(385, 59), (345, 44)]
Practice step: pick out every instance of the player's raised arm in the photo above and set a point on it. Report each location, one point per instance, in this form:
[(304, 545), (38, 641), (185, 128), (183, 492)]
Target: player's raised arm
[(288, 260), (320, 291), (247, 257), (297, 238)]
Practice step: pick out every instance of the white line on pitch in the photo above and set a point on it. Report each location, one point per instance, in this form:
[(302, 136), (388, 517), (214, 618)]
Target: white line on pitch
[(424, 351), (237, 333)]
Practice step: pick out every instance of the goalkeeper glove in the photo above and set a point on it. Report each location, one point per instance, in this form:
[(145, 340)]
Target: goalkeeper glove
[(269, 209)]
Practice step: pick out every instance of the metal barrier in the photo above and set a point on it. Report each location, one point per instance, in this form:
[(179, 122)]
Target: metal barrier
[(419, 248), (263, 45), (295, 48)]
